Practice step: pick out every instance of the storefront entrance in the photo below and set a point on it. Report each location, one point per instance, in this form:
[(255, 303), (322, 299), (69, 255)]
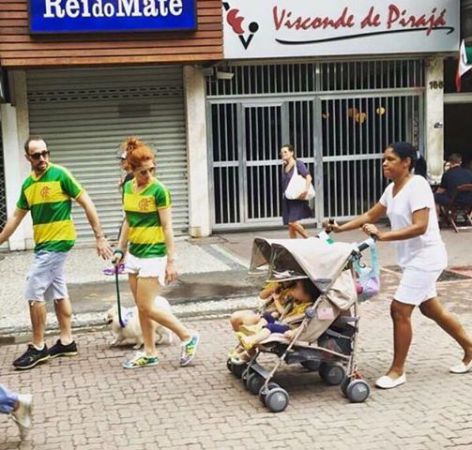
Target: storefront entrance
[(339, 128), (84, 114), (457, 133)]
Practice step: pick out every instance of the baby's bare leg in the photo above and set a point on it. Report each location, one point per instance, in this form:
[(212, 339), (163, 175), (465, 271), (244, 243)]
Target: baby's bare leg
[(250, 341), (245, 317)]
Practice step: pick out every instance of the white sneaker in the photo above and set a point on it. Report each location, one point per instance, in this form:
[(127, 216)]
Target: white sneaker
[(22, 416)]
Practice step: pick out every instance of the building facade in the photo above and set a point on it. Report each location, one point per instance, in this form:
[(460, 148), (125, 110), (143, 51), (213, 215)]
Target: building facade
[(339, 80), (216, 88), (86, 75)]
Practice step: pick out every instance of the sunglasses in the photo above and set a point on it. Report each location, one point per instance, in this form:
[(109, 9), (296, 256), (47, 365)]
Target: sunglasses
[(144, 172), (38, 155)]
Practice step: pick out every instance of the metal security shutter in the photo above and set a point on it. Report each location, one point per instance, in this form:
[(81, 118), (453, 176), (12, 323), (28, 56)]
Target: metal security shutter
[(85, 114), (3, 197)]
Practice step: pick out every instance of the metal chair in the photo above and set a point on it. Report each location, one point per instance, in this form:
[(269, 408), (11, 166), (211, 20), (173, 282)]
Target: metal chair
[(456, 209)]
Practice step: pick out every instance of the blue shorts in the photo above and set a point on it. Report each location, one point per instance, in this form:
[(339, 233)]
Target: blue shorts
[(273, 326), (46, 279), (8, 400), (441, 198)]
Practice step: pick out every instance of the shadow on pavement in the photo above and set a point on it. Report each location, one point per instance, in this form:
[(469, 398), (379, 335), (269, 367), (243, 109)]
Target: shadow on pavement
[(95, 297)]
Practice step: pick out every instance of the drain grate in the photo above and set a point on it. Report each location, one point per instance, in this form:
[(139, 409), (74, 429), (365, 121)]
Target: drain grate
[(452, 274)]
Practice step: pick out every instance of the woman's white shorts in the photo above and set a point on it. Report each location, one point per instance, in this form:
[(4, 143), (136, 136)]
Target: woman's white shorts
[(417, 286), (147, 267)]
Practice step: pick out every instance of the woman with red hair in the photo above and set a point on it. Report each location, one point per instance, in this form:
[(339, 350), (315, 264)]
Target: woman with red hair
[(148, 242)]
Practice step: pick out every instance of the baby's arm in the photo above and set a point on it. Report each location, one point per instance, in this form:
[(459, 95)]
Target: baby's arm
[(279, 304)]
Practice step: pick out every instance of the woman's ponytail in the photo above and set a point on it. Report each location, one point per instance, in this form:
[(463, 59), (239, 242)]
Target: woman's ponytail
[(406, 150), (421, 166)]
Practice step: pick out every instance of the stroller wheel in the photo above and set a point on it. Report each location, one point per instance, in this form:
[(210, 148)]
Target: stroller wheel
[(344, 385), (238, 369), (332, 374), (264, 390), (229, 365), (311, 365), (276, 399), (254, 382), (357, 391)]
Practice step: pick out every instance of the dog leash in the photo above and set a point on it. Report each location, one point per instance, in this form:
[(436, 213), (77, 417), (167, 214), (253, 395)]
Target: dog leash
[(117, 285)]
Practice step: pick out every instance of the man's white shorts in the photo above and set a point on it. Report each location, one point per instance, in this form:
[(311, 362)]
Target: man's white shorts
[(46, 279), (147, 267), (417, 286)]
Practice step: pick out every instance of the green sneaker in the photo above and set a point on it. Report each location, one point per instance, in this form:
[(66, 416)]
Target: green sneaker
[(140, 360), (188, 349)]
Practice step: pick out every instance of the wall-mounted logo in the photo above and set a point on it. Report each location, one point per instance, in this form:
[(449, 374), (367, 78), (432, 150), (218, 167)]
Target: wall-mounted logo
[(236, 22)]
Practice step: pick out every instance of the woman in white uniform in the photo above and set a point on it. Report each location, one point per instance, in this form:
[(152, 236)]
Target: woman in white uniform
[(409, 204)]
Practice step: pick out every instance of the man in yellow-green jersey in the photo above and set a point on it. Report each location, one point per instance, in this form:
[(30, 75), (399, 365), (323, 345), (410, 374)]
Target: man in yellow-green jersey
[(47, 194)]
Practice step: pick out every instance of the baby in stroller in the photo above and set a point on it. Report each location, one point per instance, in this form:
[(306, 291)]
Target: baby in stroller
[(274, 298), (300, 296)]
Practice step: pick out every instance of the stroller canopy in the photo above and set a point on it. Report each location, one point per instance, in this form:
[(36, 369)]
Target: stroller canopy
[(311, 258)]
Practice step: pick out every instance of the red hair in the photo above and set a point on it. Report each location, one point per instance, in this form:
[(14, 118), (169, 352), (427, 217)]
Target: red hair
[(137, 152)]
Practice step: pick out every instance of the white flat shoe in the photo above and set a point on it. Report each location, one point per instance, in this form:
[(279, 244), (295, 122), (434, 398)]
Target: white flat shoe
[(461, 368), (386, 382)]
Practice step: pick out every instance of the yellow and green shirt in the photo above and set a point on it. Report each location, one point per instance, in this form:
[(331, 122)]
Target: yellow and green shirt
[(48, 197), (146, 236)]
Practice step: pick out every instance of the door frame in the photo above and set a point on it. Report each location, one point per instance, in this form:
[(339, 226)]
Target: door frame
[(243, 101)]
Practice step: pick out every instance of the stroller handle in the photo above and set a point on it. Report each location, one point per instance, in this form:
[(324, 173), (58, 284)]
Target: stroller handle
[(364, 245)]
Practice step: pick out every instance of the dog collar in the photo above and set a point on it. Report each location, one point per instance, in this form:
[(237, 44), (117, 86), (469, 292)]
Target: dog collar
[(127, 316)]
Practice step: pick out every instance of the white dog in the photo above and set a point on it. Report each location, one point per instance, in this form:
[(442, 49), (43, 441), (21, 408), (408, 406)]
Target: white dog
[(131, 333)]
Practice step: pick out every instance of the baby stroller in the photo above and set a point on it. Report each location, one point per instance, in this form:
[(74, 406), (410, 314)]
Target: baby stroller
[(326, 339)]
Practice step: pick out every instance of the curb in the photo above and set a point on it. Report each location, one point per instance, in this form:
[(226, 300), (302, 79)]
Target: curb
[(94, 322)]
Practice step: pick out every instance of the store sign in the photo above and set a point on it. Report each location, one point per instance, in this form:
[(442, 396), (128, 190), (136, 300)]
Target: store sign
[(287, 28), (99, 16)]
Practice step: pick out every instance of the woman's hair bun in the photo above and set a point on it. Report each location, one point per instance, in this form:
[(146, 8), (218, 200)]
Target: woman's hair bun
[(132, 143), (136, 152)]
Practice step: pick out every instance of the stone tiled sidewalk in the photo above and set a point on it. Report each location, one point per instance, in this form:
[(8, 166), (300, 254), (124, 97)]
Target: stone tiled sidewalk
[(83, 266), (89, 402), (208, 257)]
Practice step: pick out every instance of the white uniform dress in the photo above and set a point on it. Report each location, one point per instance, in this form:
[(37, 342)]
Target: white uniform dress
[(421, 258)]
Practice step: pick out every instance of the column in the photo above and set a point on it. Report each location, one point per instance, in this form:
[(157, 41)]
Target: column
[(434, 117), (197, 153), (15, 129)]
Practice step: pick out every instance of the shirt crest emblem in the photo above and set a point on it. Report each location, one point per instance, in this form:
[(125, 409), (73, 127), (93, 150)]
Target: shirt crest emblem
[(144, 204)]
